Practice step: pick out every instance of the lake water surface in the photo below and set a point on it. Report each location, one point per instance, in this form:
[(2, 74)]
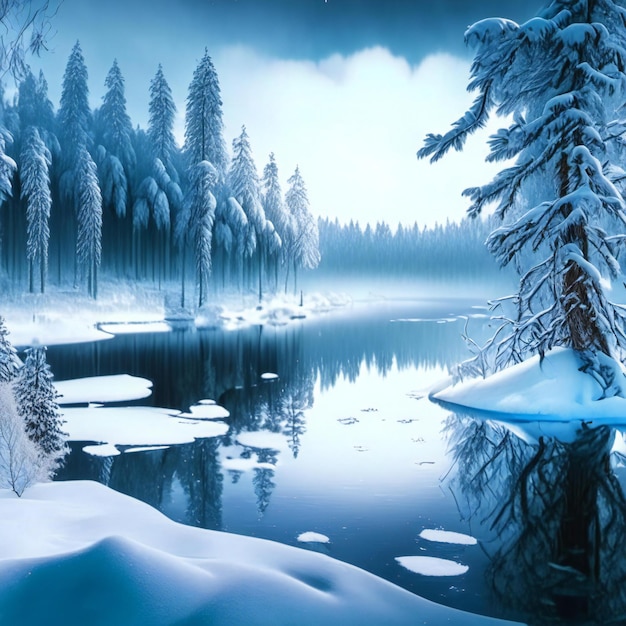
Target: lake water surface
[(344, 443)]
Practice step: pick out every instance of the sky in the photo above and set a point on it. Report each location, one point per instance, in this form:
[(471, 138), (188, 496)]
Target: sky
[(344, 89)]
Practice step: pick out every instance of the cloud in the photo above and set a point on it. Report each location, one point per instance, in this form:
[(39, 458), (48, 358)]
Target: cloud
[(353, 125)]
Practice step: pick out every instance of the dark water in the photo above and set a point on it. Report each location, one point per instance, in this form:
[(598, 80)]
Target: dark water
[(360, 455)]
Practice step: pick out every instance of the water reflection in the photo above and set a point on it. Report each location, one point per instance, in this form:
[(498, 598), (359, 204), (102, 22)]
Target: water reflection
[(554, 516)]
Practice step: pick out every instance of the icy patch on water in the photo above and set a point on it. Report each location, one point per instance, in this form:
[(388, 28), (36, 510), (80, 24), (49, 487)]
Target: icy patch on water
[(432, 566), (446, 536), (312, 537), (117, 388)]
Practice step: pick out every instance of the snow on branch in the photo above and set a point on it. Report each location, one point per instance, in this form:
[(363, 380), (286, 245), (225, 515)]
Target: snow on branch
[(475, 118)]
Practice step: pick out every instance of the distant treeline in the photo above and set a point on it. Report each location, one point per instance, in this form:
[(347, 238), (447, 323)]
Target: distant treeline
[(452, 250)]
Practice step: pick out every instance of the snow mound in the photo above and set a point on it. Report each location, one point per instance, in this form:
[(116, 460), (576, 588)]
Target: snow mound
[(90, 555), (432, 566), (446, 536), (554, 388), (312, 537)]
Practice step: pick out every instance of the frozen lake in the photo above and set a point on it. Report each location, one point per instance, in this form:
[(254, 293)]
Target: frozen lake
[(331, 445)]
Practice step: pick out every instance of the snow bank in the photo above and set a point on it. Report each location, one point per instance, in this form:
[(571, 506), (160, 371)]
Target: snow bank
[(115, 388), (79, 553), (553, 388)]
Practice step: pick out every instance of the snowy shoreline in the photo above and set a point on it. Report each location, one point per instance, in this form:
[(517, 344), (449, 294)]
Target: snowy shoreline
[(90, 554), (68, 316)]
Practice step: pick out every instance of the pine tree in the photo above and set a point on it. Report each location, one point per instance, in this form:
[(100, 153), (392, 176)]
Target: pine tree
[(159, 194), (35, 179), (561, 75), (89, 239), (275, 213), (204, 145), (117, 130), (162, 111), (74, 117), (204, 127), (9, 363), (74, 126), (35, 397), (244, 186), (196, 221), (302, 237)]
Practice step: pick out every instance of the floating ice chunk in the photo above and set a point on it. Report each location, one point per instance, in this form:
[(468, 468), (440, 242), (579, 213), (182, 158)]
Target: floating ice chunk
[(102, 449), (446, 536), (311, 537), (145, 449), (117, 388), (269, 376), (136, 426), (205, 411), (432, 566)]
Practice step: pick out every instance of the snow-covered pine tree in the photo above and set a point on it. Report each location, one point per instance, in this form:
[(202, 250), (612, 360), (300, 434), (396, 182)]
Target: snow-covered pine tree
[(21, 465), (35, 398), (89, 238), (275, 214), (74, 127), (561, 75), (162, 110), (74, 116), (159, 194), (35, 180), (9, 363), (196, 221), (204, 142), (244, 186), (303, 238), (204, 127)]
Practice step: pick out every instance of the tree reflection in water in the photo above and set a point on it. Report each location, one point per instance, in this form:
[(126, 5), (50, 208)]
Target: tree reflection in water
[(556, 513)]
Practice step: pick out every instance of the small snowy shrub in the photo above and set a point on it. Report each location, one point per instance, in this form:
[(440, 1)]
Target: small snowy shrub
[(21, 465)]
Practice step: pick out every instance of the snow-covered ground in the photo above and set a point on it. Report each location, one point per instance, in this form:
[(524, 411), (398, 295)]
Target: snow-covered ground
[(69, 316), (79, 553)]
